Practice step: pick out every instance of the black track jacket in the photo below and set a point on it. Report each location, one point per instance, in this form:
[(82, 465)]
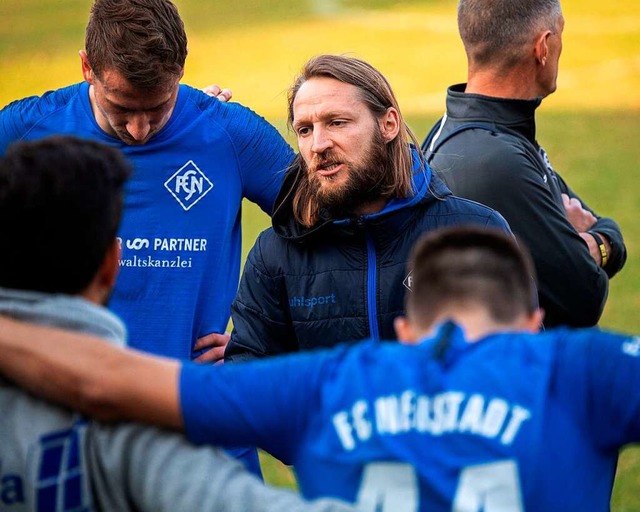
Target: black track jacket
[(505, 168)]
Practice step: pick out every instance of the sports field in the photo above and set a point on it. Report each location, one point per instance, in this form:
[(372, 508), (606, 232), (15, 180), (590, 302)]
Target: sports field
[(590, 127)]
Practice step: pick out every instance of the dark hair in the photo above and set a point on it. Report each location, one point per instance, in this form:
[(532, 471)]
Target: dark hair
[(498, 30), (465, 266), (144, 40), (60, 205), (377, 94)]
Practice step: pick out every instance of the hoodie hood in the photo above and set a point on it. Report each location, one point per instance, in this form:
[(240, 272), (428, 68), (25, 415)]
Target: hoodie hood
[(71, 313), (426, 188)]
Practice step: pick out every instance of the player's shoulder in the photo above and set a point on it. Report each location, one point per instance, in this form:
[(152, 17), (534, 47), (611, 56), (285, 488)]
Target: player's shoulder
[(593, 340), (19, 116), (231, 115), (494, 153), (464, 206), (455, 205), (50, 101), (246, 128), (566, 346)]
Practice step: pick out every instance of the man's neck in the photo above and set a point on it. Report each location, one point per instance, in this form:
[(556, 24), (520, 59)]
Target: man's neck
[(371, 207), (476, 322), (515, 83)]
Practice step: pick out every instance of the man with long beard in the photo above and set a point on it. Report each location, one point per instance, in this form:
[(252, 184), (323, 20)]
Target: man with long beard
[(333, 266)]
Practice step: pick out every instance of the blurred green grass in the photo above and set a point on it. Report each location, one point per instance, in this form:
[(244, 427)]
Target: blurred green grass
[(590, 126)]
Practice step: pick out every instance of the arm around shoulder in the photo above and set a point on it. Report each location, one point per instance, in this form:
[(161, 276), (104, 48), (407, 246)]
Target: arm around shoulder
[(90, 375)]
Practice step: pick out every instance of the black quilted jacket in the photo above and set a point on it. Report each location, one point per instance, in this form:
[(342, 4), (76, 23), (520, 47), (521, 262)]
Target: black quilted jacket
[(341, 280)]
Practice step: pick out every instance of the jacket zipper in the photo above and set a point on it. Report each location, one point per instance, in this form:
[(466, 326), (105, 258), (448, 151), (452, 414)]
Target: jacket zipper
[(371, 288)]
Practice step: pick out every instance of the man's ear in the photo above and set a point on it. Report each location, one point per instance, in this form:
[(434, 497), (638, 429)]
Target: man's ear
[(404, 331), (541, 48), (103, 282), (87, 70), (110, 265), (533, 323), (389, 124)]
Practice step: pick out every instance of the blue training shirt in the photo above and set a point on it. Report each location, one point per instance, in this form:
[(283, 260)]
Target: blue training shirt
[(180, 233), (513, 422)]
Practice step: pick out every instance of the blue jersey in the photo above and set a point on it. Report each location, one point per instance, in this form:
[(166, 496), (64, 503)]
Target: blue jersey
[(513, 422), (180, 234)]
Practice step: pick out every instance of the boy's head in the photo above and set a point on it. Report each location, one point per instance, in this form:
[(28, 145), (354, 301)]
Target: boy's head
[(456, 271), (61, 200)]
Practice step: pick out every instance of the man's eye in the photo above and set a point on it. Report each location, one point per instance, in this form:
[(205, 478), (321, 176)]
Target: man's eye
[(303, 130)]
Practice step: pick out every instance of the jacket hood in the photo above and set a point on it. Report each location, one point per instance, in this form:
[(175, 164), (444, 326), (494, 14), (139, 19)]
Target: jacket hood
[(426, 188)]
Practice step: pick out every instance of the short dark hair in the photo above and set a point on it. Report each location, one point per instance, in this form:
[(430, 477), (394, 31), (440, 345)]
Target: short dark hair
[(144, 40), (61, 200), (466, 266), (498, 30)]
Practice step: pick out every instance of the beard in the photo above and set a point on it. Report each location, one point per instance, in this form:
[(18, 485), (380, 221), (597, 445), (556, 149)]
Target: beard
[(364, 181)]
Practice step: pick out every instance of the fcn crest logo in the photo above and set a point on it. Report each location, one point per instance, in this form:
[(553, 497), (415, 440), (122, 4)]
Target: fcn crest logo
[(188, 185)]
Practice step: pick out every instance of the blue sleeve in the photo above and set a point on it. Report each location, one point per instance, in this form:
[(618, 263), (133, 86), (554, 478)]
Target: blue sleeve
[(19, 117), (10, 120), (263, 403), (263, 155), (600, 372)]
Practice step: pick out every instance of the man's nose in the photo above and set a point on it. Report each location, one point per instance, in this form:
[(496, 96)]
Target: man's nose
[(139, 127), (321, 141)]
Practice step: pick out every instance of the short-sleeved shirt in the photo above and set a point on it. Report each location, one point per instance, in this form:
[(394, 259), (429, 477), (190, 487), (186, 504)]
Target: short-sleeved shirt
[(180, 233), (532, 422)]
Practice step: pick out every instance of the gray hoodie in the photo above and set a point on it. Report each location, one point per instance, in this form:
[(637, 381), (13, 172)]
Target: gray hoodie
[(52, 459)]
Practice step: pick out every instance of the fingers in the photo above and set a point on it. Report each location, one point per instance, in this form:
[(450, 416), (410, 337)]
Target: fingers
[(215, 355), (580, 218), (225, 95), (216, 342), (212, 340), (216, 91), (571, 202), (212, 90)]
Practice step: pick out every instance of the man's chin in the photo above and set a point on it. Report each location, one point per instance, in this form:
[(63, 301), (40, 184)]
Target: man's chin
[(331, 186), (333, 196), (130, 141)]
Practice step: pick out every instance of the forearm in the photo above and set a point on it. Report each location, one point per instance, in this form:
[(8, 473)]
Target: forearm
[(90, 375), (608, 229), (572, 288)]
